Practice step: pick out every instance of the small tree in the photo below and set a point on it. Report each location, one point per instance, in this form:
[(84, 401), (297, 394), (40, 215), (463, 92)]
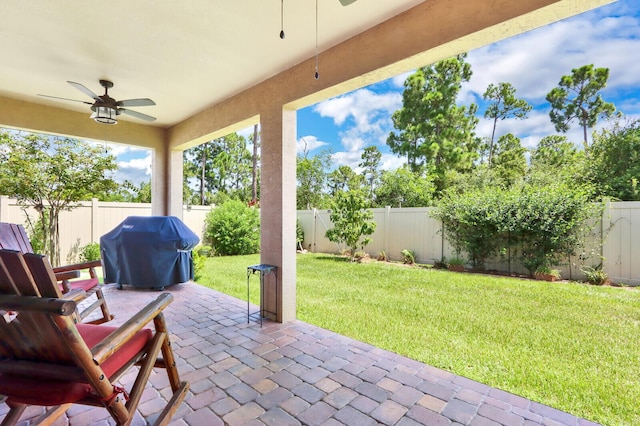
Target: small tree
[(351, 220), (52, 174), (233, 229)]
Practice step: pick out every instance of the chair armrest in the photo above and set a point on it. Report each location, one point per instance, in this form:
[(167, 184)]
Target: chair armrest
[(45, 305), (68, 275), (76, 295), (64, 277), (119, 337), (91, 265)]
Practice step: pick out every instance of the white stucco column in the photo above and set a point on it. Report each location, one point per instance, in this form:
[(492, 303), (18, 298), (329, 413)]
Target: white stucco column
[(278, 207), (166, 182)]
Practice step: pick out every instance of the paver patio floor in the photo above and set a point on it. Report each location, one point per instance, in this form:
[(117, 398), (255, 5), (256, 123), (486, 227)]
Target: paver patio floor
[(297, 373)]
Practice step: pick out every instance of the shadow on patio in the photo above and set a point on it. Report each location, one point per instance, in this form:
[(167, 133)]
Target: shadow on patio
[(296, 373)]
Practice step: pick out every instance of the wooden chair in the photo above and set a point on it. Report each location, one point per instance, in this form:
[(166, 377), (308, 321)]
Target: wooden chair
[(46, 359), (14, 237)]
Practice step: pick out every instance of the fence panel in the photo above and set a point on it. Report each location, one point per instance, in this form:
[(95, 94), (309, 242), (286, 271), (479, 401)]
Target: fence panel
[(616, 235)]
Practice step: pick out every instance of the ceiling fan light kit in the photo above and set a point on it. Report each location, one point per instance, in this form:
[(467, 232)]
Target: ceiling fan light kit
[(105, 115), (105, 108)]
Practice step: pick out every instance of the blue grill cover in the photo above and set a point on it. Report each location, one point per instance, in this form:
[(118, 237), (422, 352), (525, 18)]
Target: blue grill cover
[(148, 251)]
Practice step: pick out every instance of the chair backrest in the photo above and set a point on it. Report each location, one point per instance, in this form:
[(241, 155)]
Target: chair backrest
[(36, 326), (14, 237)]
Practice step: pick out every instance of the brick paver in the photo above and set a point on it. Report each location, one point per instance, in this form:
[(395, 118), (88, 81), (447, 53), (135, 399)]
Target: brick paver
[(298, 374)]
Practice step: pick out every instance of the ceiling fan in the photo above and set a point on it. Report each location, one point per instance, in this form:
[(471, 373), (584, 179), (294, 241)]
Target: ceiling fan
[(105, 108)]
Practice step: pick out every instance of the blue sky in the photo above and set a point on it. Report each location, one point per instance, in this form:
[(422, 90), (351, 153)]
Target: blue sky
[(533, 63)]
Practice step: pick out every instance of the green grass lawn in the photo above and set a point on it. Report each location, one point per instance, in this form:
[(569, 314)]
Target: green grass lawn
[(572, 346)]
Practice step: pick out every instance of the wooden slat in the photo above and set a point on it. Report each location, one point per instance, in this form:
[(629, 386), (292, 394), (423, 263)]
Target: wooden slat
[(41, 370), (14, 237), (32, 335), (43, 275), (19, 272)]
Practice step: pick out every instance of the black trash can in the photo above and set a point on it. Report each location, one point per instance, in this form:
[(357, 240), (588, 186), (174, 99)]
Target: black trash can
[(148, 252)]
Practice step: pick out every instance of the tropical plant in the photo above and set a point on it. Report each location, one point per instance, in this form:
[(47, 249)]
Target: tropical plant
[(299, 235), (596, 275), (408, 256)]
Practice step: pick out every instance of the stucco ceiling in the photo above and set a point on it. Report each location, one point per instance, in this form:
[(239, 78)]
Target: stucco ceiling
[(185, 55)]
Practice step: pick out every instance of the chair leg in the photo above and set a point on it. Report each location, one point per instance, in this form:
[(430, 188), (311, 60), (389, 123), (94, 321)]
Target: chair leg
[(99, 302), (103, 306), (51, 415), (14, 414), (167, 353), (171, 407), (145, 371)]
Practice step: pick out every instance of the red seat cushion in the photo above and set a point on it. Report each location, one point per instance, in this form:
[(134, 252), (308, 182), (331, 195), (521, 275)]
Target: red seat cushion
[(86, 285), (54, 392)]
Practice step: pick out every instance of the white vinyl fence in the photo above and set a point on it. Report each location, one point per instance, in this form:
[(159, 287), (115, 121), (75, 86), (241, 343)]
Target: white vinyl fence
[(397, 229), (615, 237), (92, 219)]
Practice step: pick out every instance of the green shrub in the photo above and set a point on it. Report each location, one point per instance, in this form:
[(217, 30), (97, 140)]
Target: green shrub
[(544, 224), (299, 236), (198, 263), (408, 256), (90, 252), (233, 229), (204, 250), (472, 223)]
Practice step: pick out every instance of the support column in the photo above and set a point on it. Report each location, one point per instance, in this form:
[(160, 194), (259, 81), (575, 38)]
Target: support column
[(166, 182), (278, 207)]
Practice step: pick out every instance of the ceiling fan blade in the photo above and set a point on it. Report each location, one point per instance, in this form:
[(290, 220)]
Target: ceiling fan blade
[(135, 102), (84, 90), (347, 2), (137, 114), (66, 99)]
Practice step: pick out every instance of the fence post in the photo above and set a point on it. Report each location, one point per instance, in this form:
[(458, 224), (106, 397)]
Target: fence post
[(94, 220), (313, 234), (605, 227), (387, 220)]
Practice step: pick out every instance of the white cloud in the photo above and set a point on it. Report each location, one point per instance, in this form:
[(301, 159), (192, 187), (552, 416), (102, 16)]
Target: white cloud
[(535, 61), (398, 80), (308, 143), (135, 170), (391, 162), (363, 106)]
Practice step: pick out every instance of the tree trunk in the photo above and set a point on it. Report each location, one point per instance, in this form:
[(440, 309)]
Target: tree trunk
[(493, 134)]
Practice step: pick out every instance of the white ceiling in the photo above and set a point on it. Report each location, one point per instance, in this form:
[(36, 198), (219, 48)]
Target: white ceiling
[(185, 55)]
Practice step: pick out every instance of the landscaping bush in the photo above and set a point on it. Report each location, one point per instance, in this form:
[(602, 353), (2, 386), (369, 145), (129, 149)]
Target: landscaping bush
[(233, 229), (546, 224), (472, 224), (90, 252)]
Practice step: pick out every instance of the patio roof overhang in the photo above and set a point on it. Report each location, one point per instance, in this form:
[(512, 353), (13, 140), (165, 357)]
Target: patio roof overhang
[(214, 67)]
